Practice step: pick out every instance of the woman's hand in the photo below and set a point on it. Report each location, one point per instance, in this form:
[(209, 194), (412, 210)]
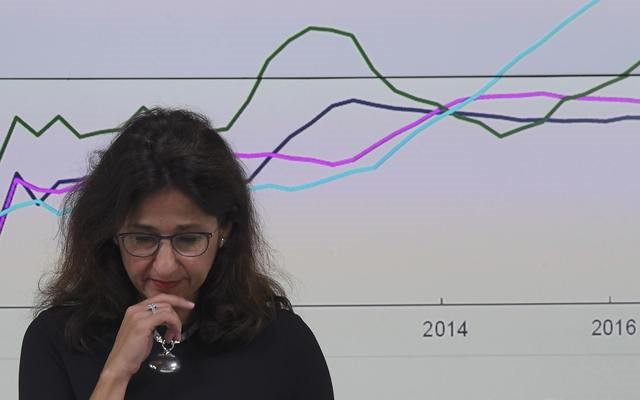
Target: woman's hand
[(135, 339)]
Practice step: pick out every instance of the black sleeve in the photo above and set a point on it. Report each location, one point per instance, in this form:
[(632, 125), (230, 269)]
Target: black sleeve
[(312, 380), (42, 374)]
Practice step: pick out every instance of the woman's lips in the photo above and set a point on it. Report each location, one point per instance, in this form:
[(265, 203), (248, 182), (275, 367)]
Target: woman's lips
[(164, 285)]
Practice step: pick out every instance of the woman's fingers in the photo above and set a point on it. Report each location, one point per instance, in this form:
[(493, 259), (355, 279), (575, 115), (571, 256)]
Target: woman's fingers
[(164, 314), (161, 307), (175, 301), (134, 339)]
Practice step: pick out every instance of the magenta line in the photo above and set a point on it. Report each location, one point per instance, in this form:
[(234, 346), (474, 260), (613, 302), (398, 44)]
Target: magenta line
[(8, 200), (390, 136), (12, 191), (14, 185), (43, 190), (606, 99), (9, 197)]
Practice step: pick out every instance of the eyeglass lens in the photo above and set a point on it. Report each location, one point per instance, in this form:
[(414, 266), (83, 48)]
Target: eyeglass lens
[(187, 244)]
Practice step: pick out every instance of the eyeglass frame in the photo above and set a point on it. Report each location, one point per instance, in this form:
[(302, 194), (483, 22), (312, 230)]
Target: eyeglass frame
[(120, 238)]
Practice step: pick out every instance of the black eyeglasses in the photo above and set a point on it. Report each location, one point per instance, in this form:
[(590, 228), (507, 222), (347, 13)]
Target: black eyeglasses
[(188, 244)]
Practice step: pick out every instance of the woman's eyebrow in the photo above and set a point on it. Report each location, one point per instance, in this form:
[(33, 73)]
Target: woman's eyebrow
[(192, 227), (179, 228), (142, 227)]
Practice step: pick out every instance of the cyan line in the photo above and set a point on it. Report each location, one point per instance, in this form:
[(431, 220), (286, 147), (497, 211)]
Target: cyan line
[(428, 123), (395, 148), (36, 202)]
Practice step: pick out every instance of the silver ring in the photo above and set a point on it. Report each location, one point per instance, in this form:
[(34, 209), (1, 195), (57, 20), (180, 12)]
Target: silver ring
[(152, 307)]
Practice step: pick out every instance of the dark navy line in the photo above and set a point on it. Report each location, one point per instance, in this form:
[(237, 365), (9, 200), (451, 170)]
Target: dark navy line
[(389, 107), (55, 186), (382, 106)]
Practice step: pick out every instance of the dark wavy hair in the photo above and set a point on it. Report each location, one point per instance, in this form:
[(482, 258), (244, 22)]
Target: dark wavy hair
[(155, 150)]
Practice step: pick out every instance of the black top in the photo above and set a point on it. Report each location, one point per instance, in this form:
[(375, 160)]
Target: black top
[(283, 362)]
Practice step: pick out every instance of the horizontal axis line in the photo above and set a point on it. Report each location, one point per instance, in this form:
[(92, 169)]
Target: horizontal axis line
[(443, 304), (480, 355), (496, 304), (344, 77)]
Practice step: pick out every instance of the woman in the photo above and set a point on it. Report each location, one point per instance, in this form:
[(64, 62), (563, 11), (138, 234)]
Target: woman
[(161, 291)]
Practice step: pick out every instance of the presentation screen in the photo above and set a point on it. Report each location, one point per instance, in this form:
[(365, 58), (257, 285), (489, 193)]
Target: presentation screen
[(450, 188)]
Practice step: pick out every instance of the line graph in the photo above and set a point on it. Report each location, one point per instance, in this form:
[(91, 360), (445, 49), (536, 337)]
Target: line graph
[(17, 180), (583, 96), (390, 107), (18, 121), (517, 216), (435, 119), (532, 122), (7, 208), (428, 119), (29, 187), (388, 137)]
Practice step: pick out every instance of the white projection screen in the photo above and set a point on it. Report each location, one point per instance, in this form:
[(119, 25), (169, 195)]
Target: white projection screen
[(450, 188)]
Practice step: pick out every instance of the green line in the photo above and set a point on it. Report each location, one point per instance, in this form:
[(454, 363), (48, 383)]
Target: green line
[(394, 89), (367, 61), (58, 118), (555, 108)]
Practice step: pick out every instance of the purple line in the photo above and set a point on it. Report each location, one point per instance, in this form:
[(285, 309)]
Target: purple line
[(14, 185), (44, 190), (9, 197), (390, 136), (8, 200), (605, 99)]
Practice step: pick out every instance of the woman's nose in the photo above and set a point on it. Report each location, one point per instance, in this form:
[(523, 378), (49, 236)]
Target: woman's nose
[(165, 261)]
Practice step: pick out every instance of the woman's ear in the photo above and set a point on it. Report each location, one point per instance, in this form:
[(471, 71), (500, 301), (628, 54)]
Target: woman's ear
[(224, 234)]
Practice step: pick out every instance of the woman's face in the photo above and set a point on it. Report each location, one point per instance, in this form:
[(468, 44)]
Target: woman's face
[(167, 213)]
